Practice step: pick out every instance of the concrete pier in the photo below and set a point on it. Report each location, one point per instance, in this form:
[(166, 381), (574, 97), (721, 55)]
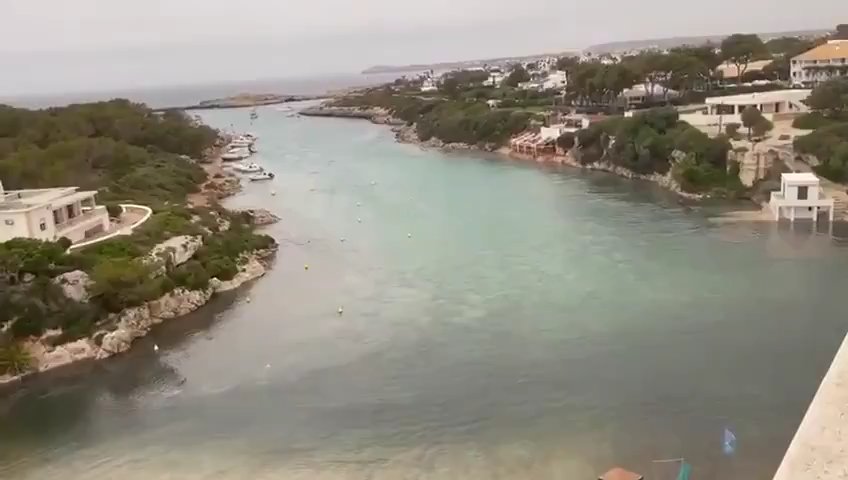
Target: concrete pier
[(819, 450)]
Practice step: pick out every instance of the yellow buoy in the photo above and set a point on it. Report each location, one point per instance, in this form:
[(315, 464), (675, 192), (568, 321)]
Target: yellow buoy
[(341, 310), (273, 193), (359, 220), (306, 267), (408, 235)]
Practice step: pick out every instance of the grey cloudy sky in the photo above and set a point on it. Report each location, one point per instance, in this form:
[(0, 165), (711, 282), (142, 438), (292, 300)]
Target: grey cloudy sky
[(56, 45)]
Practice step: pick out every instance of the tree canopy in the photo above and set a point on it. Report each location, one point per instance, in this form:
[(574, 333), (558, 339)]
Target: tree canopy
[(830, 97), (518, 74), (741, 49)]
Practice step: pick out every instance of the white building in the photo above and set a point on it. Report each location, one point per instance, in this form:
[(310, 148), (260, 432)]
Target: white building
[(429, 86), (822, 63), (800, 197), (51, 213), (729, 71), (495, 79), (557, 80), (728, 109), (639, 94)]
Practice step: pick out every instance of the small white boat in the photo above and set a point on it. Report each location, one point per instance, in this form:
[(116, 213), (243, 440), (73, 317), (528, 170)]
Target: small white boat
[(240, 143), (261, 176), (247, 168), (235, 154)]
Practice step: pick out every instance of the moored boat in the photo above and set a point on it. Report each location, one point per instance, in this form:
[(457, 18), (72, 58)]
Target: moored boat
[(261, 177), (235, 154), (247, 168)]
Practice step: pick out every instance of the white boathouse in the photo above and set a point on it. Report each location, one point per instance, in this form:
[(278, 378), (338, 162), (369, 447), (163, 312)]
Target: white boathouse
[(800, 198)]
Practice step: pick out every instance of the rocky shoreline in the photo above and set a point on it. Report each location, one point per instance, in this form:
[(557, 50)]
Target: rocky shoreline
[(405, 133), (117, 332)]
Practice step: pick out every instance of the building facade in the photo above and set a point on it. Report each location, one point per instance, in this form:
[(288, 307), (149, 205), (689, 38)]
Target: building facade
[(50, 214), (827, 61), (728, 109), (800, 198)]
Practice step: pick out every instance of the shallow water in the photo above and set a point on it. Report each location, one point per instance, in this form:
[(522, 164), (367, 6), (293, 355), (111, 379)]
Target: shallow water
[(501, 320)]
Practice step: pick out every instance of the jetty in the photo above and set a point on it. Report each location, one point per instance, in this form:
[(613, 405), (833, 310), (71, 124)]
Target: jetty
[(819, 449)]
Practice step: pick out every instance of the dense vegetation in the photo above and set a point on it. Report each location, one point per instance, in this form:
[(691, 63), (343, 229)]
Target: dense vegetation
[(449, 120), (123, 149), (129, 153), (646, 142), (829, 140)]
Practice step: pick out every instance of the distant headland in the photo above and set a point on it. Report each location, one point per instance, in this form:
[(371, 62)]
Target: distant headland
[(246, 100)]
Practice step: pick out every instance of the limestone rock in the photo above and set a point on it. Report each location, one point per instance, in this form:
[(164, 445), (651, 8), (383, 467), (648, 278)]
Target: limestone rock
[(74, 285), (116, 342), (261, 217), (177, 303), (175, 250), (68, 353), (251, 270)]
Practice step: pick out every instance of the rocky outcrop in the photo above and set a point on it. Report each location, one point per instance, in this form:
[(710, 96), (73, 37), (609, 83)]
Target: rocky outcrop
[(83, 349), (223, 186), (136, 322), (74, 285), (260, 217), (174, 251), (409, 134), (250, 270)]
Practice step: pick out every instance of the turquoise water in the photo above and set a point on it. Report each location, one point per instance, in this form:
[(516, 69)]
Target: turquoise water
[(501, 320)]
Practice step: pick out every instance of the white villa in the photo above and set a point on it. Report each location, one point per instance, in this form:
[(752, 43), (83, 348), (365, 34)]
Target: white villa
[(822, 63), (51, 213), (639, 94), (728, 109), (428, 85), (495, 79), (800, 197), (556, 80)]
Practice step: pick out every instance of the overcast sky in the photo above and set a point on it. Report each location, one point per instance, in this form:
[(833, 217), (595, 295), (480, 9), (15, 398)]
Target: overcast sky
[(69, 45)]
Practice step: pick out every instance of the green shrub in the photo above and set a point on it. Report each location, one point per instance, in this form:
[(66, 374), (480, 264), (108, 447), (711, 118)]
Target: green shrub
[(823, 142), (222, 268), (121, 283), (114, 210), (191, 275), (30, 322), (732, 130), (64, 243), (14, 360)]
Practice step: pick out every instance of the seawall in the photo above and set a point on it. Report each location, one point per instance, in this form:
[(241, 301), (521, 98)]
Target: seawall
[(819, 449)]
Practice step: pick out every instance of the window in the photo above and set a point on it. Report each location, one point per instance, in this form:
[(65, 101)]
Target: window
[(10, 222), (70, 210), (802, 193), (42, 225)]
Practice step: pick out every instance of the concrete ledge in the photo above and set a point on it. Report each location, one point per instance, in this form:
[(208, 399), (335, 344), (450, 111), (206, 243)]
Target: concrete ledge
[(819, 450)]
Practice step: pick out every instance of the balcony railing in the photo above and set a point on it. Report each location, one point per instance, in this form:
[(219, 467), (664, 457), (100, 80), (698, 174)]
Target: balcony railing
[(821, 199), (82, 218)]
